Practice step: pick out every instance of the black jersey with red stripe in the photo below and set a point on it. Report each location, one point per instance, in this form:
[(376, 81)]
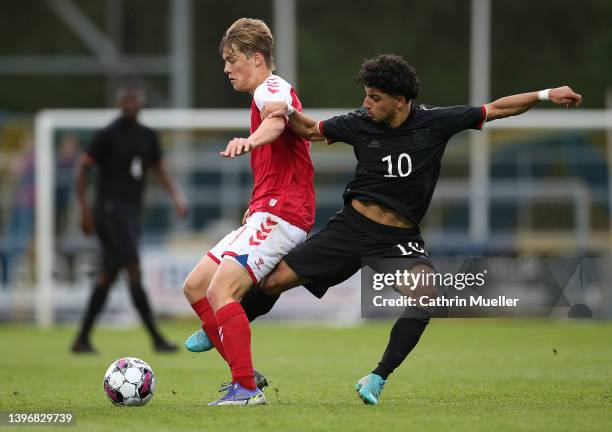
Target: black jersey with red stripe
[(399, 167)]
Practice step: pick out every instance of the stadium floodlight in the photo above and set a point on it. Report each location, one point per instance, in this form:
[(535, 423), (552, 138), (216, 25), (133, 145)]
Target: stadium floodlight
[(47, 122)]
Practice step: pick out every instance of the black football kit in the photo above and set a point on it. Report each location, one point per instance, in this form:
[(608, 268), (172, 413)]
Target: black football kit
[(397, 168), (123, 152)]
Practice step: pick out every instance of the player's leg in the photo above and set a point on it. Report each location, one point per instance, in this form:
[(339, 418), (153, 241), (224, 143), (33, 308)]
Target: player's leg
[(260, 299), (197, 281), (323, 260), (251, 256), (121, 231), (228, 285), (109, 268), (195, 288), (404, 336), (141, 302), (407, 330), (316, 257), (257, 301), (105, 279)]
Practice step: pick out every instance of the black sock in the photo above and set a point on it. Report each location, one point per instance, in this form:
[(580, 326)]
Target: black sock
[(139, 297), (257, 303), (405, 334), (95, 305)]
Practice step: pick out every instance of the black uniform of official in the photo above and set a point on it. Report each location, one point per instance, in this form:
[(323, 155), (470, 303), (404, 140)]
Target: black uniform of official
[(396, 167), (123, 153)]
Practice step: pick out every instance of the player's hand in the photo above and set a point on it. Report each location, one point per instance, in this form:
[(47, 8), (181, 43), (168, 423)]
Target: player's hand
[(236, 147), (246, 215), (181, 207), (274, 109), (565, 96), (87, 221)]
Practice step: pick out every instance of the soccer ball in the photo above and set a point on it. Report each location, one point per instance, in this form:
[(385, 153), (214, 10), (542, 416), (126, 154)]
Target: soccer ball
[(129, 382)]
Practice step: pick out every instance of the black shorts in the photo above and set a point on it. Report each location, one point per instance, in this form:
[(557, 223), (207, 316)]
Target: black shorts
[(335, 253), (118, 228)]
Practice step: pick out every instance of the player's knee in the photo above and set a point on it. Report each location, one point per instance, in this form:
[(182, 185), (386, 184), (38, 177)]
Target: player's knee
[(102, 289), (191, 290), (216, 296), (134, 273), (222, 290), (196, 284), (106, 278)]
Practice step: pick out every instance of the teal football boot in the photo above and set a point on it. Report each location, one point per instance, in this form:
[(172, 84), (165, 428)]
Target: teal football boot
[(369, 388), (198, 342)]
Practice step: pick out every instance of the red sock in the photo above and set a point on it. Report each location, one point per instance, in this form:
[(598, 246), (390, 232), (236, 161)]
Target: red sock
[(236, 337), (209, 324)]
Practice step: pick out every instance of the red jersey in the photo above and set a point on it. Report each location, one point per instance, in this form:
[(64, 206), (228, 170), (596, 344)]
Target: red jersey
[(282, 170)]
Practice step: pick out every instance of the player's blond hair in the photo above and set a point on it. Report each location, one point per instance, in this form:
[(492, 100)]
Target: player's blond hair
[(249, 36)]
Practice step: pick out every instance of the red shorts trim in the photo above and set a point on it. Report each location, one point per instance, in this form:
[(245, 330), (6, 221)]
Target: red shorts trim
[(214, 258)]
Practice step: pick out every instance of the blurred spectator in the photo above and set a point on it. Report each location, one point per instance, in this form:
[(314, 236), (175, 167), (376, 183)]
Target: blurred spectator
[(18, 235), (64, 182)]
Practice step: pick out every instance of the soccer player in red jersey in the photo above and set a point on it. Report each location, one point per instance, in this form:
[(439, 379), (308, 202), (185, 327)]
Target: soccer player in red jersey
[(279, 216)]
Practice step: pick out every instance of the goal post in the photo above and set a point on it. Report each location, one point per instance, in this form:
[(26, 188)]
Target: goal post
[(47, 122)]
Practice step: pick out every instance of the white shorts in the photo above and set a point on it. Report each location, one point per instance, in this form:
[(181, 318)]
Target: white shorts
[(259, 245)]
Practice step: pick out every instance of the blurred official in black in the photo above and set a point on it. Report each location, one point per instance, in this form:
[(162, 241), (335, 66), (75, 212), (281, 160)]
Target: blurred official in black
[(122, 152)]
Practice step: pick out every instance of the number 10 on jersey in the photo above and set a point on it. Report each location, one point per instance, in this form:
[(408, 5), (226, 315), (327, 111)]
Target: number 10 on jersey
[(404, 165)]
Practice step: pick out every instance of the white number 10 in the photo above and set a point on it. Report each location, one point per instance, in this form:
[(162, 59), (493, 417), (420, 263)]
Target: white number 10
[(400, 169)]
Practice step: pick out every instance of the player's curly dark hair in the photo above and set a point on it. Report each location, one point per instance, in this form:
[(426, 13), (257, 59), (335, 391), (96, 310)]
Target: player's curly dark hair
[(391, 74)]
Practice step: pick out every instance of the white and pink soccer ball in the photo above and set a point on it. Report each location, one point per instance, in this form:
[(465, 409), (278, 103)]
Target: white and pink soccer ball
[(129, 382)]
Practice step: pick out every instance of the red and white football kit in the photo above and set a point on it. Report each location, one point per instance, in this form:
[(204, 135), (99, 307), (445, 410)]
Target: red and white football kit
[(281, 214), (282, 205)]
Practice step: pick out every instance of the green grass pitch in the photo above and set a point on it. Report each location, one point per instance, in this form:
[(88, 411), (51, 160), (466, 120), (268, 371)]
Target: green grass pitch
[(465, 375)]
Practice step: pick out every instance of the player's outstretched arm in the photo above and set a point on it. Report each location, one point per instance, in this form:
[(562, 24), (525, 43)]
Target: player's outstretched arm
[(519, 103), (269, 130), (300, 123)]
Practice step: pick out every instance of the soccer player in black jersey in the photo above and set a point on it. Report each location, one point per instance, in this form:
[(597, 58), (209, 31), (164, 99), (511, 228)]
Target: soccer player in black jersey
[(398, 146), (123, 152)]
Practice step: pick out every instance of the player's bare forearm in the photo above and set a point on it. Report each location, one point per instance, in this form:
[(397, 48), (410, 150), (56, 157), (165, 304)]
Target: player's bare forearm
[(269, 130), (164, 178), (511, 105), (179, 201), (305, 126), (517, 104)]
